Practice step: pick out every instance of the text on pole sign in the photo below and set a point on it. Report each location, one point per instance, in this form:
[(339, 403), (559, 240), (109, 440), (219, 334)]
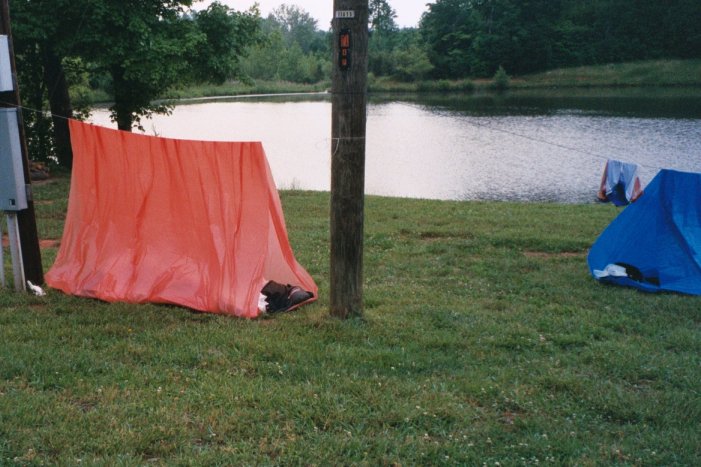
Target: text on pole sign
[(345, 14)]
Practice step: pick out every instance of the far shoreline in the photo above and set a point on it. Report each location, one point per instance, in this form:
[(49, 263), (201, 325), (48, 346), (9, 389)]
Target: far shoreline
[(678, 76)]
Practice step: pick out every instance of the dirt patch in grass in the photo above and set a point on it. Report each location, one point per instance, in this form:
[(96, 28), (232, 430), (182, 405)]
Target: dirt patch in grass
[(46, 243), (49, 243), (561, 254)]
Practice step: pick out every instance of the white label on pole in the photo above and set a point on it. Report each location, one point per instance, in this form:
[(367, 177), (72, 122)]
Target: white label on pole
[(5, 68), (344, 14)]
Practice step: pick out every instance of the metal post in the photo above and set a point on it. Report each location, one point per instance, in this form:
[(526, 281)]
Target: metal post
[(2, 261), (16, 252), (349, 104)]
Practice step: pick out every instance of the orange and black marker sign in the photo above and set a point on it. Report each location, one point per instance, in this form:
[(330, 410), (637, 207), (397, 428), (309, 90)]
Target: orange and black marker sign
[(344, 42)]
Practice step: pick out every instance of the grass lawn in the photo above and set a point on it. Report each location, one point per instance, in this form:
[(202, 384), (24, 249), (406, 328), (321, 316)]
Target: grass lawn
[(645, 73), (485, 341)]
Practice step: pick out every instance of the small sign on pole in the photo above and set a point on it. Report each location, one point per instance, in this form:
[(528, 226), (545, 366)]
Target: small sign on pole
[(6, 83), (344, 55), (345, 14)]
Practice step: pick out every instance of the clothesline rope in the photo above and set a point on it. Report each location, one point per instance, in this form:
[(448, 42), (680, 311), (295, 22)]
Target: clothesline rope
[(550, 143), (544, 141)]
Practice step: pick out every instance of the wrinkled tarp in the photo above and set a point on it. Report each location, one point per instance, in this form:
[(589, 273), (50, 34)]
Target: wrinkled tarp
[(656, 241), (620, 183), (193, 223)]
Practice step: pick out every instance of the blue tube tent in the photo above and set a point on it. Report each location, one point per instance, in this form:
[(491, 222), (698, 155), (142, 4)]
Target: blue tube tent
[(655, 243)]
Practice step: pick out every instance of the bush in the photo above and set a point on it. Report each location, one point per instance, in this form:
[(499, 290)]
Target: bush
[(412, 64), (501, 80)]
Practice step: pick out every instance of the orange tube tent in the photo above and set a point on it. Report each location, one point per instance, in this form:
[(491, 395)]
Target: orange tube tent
[(192, 223)]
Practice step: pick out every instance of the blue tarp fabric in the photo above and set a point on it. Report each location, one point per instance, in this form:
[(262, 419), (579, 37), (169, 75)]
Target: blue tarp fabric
[(655, 243), (620, 183)]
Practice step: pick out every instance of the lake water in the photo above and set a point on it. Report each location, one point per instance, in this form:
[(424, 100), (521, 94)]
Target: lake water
[(518, 146)]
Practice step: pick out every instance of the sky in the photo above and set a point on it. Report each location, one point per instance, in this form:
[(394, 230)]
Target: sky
[(408, 11)]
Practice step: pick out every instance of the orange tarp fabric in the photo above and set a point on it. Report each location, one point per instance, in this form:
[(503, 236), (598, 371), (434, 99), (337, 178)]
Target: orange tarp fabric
[(192, 223)]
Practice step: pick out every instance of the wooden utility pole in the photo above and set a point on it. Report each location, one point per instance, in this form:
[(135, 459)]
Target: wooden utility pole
[(349, 104), (26, 219)]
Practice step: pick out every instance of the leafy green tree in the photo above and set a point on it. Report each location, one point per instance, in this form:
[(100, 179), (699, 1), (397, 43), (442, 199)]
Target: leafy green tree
[(33, 91), (43, 37), (297, 27), (619, 30), (142, 45), (475, 37), (293, 49), (383, 29), (382, 17), (411, 64), (298, 67), (263, 59), (501, 80), (517, 35), (394, 52), (227, 37), (450, 29), (682, 25)]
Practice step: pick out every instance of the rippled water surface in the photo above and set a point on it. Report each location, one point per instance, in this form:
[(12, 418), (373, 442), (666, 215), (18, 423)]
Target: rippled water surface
[(515, 147)]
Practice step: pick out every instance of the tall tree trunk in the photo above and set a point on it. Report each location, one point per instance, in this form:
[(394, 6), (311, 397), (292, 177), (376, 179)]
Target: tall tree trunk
[(125, 121), (60, 104), (121, 110)]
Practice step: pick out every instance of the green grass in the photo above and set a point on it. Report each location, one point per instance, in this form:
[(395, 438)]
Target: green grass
[(646, 73), (658, 73), (382, 85), (236, 88), (484, 341), (239, 89)]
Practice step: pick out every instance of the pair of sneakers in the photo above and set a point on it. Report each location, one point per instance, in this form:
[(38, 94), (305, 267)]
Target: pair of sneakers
[(284, 297)]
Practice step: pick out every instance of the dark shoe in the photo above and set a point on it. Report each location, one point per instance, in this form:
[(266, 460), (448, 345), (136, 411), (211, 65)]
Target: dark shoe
[(297, 295), (283, 297)]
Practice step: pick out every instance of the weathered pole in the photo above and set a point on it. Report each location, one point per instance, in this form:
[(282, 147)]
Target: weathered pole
[(349, 103), (26, 218)]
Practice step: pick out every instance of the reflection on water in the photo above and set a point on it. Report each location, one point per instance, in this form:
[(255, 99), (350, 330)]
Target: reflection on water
[(623, 102), (513, 147)]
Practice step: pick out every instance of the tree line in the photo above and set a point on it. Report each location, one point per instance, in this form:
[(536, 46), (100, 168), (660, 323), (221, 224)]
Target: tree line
[(458, 39), (135, 51), (475, 37)]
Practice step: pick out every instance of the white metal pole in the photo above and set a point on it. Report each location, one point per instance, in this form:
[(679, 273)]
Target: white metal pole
[(16, 252), (2, 261)]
